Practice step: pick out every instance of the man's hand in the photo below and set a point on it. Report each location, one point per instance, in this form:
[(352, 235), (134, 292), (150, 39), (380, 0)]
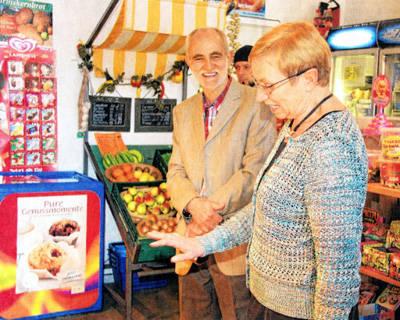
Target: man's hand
[(193, 230), (204, 214)]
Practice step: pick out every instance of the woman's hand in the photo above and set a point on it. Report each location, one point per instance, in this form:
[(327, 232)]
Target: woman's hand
[(191, 248)]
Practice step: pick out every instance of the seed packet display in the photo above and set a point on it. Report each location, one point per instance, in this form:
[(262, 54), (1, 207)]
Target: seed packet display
[(31, 108)]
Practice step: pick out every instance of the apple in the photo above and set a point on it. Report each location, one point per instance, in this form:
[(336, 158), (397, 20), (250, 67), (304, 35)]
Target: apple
[(141, 209), (137, 174), (152, 178), (165, 208), (156, 210), (152, 218), (50, 30), (144, 177), (163, 186), (160, 199), (132, 191), (139, 198), (170, 204), (154, 191), (166, 195), (127, 197), (132, 206), (149, 200)]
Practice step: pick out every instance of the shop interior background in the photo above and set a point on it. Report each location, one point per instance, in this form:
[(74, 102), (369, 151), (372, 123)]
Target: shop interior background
[(75, 20)]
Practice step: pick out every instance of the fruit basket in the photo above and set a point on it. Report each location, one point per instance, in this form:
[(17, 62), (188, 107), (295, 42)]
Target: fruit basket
[(129, 172), (147, 253), (162, 224), (138, 200), (140, 211)]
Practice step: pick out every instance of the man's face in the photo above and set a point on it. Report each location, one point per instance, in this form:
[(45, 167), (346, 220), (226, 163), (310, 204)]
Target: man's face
[(208, 61), (243, 72)]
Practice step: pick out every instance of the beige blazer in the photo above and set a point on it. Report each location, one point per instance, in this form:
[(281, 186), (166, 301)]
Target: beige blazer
[(242, 135)]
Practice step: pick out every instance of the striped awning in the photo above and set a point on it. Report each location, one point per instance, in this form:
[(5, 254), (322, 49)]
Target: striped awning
[(149, 35)]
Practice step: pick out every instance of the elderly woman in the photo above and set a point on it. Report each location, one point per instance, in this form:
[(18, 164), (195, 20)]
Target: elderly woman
[(304, 223)]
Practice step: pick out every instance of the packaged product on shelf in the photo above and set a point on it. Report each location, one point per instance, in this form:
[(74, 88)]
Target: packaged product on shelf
[(373, 165), (371, 216), (368, 292), (376, 257), (390, 173), (376, 232), (390, 141), (390, 297), (394, 266), (393, 235)]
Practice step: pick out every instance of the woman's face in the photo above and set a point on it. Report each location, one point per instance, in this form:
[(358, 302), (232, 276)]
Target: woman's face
[(283, 98)]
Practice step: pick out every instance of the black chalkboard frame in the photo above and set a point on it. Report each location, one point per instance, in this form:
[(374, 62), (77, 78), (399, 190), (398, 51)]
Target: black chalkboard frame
[(124, 127), (139, 103)]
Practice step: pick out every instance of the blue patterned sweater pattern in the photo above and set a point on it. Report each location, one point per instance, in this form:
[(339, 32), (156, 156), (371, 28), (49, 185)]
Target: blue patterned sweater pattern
[(304, 223)]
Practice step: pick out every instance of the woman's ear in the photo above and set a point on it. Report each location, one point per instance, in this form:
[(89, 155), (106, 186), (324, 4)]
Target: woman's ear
[(311, 78)]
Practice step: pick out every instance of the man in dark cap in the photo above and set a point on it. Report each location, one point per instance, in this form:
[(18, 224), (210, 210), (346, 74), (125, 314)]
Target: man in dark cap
[(242, 66)]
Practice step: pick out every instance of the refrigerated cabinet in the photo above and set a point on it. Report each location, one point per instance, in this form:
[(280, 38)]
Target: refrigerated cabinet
[(51, 253), (390, 67), (352, 77)]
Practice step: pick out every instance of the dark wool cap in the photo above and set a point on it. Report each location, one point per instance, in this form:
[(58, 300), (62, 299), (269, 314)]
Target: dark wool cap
[(242, 54)]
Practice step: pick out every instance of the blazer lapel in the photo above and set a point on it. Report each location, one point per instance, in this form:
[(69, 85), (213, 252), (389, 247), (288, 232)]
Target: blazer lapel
[(198, 132), (227, 109)]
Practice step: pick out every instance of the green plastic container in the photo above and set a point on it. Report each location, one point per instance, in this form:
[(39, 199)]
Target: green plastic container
[(147, 253)]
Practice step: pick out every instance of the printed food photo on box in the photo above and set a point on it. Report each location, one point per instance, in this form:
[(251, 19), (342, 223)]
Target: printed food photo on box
[(28, 20)]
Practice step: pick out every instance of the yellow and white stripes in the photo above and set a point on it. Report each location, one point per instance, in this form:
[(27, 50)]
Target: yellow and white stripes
[(149, 35)]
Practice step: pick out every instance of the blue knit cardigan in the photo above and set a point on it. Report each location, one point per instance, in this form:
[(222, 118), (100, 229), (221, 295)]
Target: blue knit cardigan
[(304, 223)]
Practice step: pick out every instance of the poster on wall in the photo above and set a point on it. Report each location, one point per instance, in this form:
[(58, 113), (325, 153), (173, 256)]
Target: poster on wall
[(28, 106), (26, 19), (249, 8)]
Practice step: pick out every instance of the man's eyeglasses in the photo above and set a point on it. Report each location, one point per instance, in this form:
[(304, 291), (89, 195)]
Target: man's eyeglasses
[(269, 88)]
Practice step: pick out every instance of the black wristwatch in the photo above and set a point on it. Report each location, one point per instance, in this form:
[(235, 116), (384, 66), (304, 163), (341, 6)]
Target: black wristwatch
[(186, 215)]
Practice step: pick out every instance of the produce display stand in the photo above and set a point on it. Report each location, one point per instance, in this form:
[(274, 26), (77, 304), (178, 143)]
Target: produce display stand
[(132, 243)]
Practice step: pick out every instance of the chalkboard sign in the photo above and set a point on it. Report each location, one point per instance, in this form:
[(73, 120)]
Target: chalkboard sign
[(109, 114), (150, 118)]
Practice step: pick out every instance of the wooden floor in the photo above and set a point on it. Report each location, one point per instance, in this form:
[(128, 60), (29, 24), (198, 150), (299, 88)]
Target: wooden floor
[(159, 303)]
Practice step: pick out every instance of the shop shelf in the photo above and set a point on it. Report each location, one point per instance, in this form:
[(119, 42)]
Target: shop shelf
[(376, 275), (380, 189)]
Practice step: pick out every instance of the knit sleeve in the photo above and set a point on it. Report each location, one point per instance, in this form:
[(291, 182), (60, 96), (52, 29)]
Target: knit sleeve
[(335, 196), (233, 232)]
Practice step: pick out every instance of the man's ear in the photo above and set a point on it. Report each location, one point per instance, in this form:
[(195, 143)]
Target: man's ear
[(187, 60)]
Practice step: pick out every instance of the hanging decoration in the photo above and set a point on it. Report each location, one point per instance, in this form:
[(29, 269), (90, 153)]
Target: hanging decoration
[(174, 74), (233, 32)]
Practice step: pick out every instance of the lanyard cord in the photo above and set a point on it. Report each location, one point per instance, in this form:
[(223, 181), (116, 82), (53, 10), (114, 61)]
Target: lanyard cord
[(283, 143), (309, 114)]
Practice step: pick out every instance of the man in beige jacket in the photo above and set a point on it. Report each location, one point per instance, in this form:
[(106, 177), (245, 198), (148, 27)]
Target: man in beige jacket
[(221, 138)]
